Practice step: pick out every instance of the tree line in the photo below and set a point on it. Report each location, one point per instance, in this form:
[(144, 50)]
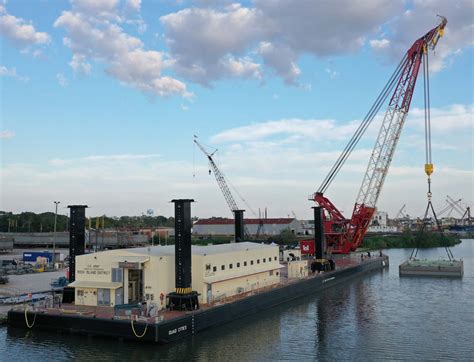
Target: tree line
[(410, 239), (44, 222)]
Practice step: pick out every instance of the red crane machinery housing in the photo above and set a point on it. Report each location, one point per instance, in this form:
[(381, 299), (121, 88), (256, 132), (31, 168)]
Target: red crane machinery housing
[(345, 235)]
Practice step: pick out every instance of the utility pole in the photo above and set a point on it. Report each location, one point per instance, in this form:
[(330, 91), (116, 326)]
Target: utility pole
[(54, 233)]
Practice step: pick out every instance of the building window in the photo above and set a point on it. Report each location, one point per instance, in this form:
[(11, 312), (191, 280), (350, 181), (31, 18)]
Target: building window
[(80, 293), (258, 261), (117, 275), (275, 258), (245, 263), (222, 267), (208, 266), (214, 268), (251, 262), (264, 260), (271, 272), (230, 266), (238, 265)]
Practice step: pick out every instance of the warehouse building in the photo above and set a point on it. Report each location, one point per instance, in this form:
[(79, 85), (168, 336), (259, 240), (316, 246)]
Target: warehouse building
[(124, 276), (269, 226)]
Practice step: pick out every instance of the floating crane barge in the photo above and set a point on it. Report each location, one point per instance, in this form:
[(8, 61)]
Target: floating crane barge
[(185, 313)]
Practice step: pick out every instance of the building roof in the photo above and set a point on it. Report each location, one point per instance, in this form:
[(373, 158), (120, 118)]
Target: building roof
[(196, 249), (246, 221)]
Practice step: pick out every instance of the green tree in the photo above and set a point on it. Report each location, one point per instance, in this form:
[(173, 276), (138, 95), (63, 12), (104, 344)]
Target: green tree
[(286, 237)]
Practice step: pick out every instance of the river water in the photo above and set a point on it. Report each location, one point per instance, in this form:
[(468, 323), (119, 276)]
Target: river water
[(379, 316)]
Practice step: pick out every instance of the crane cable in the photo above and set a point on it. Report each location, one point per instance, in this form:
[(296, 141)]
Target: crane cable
[(428, 165), (364, 125), (426, 93)]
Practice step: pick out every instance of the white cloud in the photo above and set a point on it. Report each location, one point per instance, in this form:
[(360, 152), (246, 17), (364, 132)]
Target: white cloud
[(93, 38), (203, 40), (277, 166), (21, 32), (11, 72), (102, 8), (134, 4), (101, 158), (62, 80), (379, 43), (242, 67), (443, 120), (276, 34), (6, 134), (277, 31), (282, 59), (300, 152), (422, 17), (451, 118), (295, 128), (79, 64)]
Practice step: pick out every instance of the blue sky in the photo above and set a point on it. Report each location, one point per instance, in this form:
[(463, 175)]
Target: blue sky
[(100, 102)]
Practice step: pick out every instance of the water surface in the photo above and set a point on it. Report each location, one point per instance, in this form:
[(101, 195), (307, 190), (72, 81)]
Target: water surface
[(379, 316)]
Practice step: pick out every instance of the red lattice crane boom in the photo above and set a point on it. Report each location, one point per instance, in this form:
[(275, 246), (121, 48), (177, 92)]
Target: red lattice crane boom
[(345, 235)]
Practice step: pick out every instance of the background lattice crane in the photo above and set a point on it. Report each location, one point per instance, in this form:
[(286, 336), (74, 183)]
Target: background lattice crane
[(452, 205), (221, 181)]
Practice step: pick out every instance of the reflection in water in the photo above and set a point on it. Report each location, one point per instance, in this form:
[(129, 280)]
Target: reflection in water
[(378, 316)]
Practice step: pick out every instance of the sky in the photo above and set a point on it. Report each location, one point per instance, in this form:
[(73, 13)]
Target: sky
[(100, 101)]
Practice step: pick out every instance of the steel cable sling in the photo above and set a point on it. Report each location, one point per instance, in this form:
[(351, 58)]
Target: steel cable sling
[(428, 165)]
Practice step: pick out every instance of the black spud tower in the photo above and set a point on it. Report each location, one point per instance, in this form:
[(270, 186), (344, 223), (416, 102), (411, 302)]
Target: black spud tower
[(183, 298)]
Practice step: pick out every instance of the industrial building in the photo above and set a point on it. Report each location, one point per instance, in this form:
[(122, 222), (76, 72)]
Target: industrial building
[(124, 276), (101, 239), (268, 226), (379, 223)]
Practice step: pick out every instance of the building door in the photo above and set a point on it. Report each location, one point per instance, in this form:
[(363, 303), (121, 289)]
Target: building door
[(209, 293), (118, 296), (135, 286), (132, 291)]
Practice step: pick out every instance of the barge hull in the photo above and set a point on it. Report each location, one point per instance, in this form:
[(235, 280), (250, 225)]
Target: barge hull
[(193, 322)]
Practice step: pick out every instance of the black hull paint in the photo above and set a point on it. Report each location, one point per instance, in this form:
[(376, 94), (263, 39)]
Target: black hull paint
[(168, 331)]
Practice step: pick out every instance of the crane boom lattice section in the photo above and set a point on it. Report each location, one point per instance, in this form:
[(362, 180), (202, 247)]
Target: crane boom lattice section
[(388, 136)]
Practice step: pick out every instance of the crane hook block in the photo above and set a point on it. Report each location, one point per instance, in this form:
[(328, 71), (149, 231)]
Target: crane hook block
[(429, 169)]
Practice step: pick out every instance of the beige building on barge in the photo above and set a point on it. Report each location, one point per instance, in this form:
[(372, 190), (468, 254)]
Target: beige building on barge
[(124, 276)]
